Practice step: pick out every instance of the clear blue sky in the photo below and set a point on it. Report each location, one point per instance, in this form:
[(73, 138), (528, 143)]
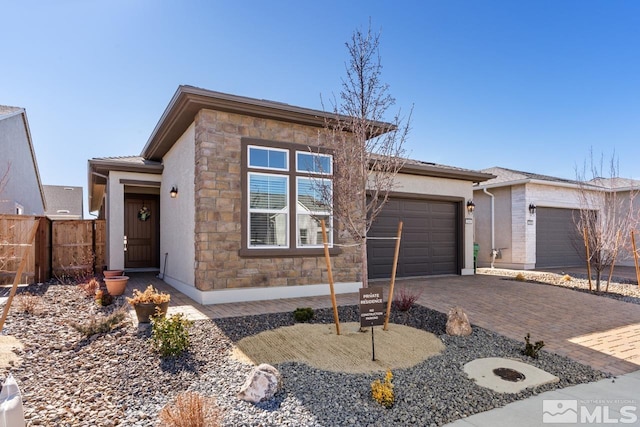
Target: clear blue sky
[(530, 85)]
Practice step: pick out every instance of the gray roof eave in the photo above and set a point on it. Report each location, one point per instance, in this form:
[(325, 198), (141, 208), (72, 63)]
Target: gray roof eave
[(443, 172), (189, 100)]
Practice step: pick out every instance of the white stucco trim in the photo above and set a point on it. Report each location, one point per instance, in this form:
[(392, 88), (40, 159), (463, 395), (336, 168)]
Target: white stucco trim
[(224, 296)]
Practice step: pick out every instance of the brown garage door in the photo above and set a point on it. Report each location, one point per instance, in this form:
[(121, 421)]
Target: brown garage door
[(557, 239), (429, 242)]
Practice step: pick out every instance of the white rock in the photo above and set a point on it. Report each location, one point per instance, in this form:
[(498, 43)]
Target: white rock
[(261, 384)]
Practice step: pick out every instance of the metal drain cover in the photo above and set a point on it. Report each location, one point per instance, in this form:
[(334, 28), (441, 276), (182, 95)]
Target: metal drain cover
[(508, 374)]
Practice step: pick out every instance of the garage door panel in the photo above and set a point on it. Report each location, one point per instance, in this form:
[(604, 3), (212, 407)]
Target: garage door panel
[(429, 242), (557, 238)]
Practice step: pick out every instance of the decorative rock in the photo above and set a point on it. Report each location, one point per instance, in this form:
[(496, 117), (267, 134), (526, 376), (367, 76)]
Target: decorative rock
[(458, 322), (261, 384)]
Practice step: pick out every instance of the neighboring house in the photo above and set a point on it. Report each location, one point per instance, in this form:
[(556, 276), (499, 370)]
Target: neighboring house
[(63, 202), (527, 220), (21, 190), (219, 204)]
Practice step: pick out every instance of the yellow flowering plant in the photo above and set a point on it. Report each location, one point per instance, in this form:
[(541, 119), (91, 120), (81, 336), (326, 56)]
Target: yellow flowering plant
[(382, 391)]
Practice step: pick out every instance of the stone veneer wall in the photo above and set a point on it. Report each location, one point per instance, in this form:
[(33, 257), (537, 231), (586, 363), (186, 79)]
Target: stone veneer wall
[(218, 199)]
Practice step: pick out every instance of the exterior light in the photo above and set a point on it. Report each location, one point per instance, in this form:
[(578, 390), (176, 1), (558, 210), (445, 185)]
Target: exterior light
[(174, 192), (470, 206), (532, 208)]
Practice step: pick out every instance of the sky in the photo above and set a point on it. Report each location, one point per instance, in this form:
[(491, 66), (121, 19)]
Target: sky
[(529, 85)]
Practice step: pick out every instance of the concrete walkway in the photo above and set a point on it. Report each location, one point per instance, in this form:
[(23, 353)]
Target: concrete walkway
[(606, 402)]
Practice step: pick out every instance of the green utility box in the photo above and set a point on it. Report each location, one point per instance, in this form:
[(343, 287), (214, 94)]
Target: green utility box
[(476, 249)]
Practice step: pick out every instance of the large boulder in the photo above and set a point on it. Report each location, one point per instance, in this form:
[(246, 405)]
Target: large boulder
[(261, 384), (458, 322)]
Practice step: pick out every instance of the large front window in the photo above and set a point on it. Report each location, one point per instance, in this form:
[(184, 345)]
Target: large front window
[(289, 192)]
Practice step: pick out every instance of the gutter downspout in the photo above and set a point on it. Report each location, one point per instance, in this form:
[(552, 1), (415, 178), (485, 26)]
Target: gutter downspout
[(494, 252)]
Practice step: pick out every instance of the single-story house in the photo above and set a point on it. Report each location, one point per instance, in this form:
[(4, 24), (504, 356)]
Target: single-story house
[(64, 202), (21, 190), (527, 220), (217, 204)]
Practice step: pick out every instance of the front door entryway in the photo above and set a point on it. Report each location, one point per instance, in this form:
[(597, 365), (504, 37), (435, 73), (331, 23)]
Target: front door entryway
[(141, 229)]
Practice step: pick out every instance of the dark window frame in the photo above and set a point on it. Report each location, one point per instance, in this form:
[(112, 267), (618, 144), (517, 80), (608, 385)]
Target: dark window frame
[(292, 173)]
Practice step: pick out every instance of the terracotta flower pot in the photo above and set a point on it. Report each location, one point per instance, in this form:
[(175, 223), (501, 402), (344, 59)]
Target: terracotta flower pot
[(116, 285), (112, 273), (146, 310)]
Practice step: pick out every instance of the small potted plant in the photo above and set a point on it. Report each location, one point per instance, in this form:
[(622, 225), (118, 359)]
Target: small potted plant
[(149, 303)]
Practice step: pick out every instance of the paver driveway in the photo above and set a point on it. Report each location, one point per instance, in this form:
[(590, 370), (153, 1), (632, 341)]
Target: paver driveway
[(601, 332)]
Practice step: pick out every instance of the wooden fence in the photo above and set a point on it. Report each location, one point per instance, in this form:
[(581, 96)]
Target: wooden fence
[(62, 248)]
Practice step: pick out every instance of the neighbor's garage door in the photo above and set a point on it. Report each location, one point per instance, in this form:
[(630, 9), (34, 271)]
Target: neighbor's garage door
[(429, 243), (557, 239)]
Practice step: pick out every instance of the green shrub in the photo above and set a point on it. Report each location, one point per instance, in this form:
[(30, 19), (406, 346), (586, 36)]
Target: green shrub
[(303, 314), (170, 335), (532, 350)]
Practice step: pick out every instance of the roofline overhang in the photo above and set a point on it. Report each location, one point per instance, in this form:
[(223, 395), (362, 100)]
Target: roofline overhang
[(539, 182), (25, 121), (439, 172), (189, 100), (100, 168)]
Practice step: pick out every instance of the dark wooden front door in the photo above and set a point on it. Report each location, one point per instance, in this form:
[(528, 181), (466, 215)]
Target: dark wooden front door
[(141, 229)]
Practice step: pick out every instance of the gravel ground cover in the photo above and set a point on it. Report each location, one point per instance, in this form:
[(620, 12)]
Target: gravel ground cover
[(620, 288), (115, 379)]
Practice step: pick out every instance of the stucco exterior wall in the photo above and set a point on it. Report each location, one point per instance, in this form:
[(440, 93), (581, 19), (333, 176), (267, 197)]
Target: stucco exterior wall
[(218, 199), (503, 230), (177, 220), (449, 188), (115, 213), (23, 186)]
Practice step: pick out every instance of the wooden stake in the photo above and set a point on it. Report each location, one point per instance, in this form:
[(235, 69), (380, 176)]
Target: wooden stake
[(393, 275), (23, 263), (327, 258), (586, 245), (635, 257), (613, 261)]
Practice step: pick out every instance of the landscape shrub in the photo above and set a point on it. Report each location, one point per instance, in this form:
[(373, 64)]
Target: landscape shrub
[(170, 335), (28, 303), (405, 299), (191, 409), (303, 314), (90, 288), (532, 350), (101, 324), (382, 391)]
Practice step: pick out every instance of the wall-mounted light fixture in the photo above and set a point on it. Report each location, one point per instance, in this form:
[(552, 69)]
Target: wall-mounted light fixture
[(174, 192), (532, 208), (470, 206)]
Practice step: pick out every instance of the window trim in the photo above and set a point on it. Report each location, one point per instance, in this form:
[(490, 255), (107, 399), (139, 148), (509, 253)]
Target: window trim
[(277, 252)]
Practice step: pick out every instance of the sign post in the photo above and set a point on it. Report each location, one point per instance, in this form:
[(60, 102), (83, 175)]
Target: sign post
[(371, 312)]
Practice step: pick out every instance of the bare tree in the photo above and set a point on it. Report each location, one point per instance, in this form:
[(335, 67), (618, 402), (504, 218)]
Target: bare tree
[(367, 150), (606, 214)]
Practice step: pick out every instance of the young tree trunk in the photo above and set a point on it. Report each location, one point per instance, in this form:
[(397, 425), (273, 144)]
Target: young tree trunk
[(365, 264)]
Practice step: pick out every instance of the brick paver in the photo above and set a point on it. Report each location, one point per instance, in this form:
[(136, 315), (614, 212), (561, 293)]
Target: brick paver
[(597, 331)]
